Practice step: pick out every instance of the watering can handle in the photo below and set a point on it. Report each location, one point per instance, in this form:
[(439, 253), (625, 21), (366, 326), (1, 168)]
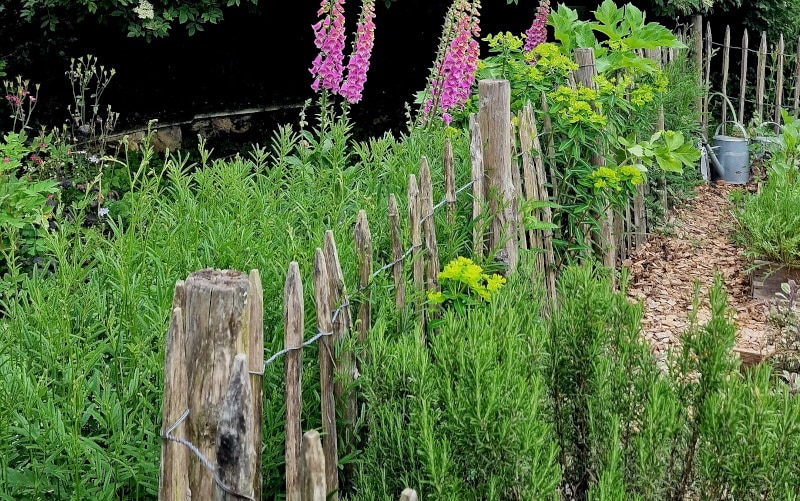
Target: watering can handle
[(741, 127)]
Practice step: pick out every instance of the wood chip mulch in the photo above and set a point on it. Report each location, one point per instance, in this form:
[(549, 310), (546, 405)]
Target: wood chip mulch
[(697, 244)]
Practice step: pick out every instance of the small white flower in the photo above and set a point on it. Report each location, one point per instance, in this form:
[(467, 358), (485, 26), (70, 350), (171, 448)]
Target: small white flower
[(144, 10), (103, 211), (94, 159)]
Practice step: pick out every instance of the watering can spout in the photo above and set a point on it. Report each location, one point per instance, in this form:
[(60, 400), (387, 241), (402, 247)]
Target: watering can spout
[(718, 169)]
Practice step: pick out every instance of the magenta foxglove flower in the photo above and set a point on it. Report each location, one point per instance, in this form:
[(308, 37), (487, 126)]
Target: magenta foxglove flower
[(358, 64), (327, 68), (455, 73), (329, 38), (537, 33)]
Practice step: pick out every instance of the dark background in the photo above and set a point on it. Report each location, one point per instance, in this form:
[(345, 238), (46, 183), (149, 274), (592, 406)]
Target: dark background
[(255, 57)]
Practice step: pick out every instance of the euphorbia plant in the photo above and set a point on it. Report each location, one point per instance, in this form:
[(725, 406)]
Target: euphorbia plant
[(465, 285)]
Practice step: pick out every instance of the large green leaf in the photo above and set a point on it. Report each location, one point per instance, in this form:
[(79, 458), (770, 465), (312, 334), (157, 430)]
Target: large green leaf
[(634, 18), (562, 20), (609, 15), (652, 36)]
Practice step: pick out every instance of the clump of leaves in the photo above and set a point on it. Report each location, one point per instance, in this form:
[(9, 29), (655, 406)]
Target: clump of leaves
[(465, 285)]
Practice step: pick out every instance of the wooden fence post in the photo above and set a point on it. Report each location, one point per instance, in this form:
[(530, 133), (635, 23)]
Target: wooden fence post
[(322, 300), (743, 76), (235, 454), (417, 263), (312, 468), (527, 131), (449, 181), (697, 49), (293, 321), (522, 239), (726, 50), (409, 494), (584, 75), (173, 482), (779, 86), (478, 192), (760, 76), (495, 122), (547, 128), (797, 80), (397, 254), (217, 329), (707, 80), (255, 351), (428, 226), (363, 242), (343, 358)]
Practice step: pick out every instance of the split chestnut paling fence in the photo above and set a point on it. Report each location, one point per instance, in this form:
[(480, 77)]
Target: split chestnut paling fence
[(214, 362), (766, 94)]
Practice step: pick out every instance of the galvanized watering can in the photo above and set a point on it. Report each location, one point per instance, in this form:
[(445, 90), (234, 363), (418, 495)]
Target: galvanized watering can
[(730, 156)]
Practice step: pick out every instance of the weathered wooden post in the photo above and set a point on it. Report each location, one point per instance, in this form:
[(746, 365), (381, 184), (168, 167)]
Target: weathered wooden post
[(743, 76), (322, 300), (707, 80), (173, 484), (312, 468), (449, 181), (726, 54), (362, 239), (760, 77), (796, 80), (397, 254), (219, 320), (494, 115), (345, 369), (478, 190), (428, 226), (409, 494), (417, 261), (256, 360), (697, 51), (778, 86), (584, 76), (235, 452), (293, 321)]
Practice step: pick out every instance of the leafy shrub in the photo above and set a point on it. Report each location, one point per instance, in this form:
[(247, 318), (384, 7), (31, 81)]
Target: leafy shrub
[(142, 18), (465, 418), (769, 224)]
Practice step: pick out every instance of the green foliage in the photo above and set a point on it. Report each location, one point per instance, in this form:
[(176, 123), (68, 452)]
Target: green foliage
[(140, 18), (675, 8), (624, 30), (465, 418), (768, 220), (26, 205), (769, 223), (598, 132), (465, 285), (81, 340)]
